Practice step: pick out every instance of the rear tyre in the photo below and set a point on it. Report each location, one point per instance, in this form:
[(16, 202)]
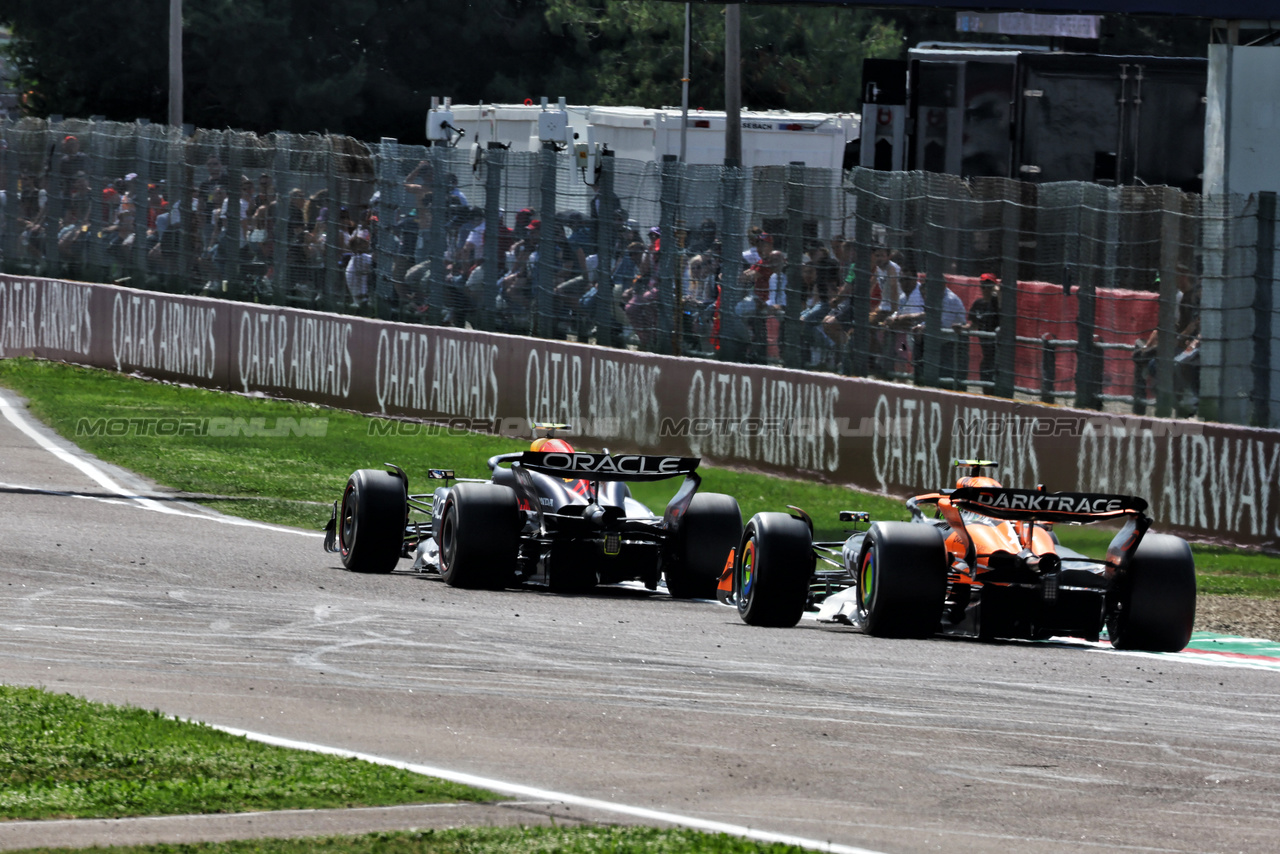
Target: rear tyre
[(479, 536), (710, 529), (371, 523), (902, 580), (1156, 605), (772, 570)]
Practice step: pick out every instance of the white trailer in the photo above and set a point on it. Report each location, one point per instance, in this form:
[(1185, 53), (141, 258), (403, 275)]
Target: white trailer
[(769, 138)]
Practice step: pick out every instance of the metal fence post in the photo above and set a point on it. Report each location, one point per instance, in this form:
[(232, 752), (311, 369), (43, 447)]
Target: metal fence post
[(542, 322), (141, 201), (856, 357), (929, 373), (13, 192), (606, 213), (1263, 320), (1007, 333), (1087, 355), (1167, 311), (285, 280), (436, 237), (730, 343), (495, 159), (667, 336), (384, 251), (229, 249), (335, 285), (54, 193), (1048, 368), (789, 338)]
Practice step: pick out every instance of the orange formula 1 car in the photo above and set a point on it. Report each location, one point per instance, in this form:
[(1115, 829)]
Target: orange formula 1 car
[(985, 563)]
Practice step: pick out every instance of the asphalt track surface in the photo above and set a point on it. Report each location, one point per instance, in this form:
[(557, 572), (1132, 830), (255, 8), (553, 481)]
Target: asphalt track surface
[(619, 706)]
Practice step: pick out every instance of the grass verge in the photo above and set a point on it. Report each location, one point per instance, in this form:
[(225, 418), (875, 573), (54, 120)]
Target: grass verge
[(284, 462), (64, 757), (489, 840)]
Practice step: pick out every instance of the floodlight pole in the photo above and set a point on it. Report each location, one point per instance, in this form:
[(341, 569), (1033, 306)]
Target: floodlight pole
[(732, 86), (684, 87), (175, 63)]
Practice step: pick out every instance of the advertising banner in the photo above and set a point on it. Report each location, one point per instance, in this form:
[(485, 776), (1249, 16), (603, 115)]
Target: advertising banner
[(1208, 481)]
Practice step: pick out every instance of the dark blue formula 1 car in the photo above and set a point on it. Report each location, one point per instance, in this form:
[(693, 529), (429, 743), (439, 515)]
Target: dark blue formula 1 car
[(550, 517)]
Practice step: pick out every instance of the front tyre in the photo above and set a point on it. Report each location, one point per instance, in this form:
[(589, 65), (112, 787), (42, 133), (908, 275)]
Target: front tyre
[(902, 580), (772, 570), (479, 536), (710, 529), (371, 523), (1156, 605)]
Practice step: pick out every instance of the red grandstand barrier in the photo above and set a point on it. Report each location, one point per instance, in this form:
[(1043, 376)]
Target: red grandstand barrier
[(1122, 317)]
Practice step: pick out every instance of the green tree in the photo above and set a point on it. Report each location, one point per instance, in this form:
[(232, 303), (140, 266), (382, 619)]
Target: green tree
[(793, 57), (362, 67), (82, 60)]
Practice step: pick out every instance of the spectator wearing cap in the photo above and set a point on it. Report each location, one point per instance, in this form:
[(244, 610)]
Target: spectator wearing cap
[(356, 273), (71, 162), (655, 240), (910, 318), (575, 278), (751, 255), (515, 288), (264, 193), (33, 200), (984, 316), (129, 192), (72, 159), (111, 196), (75, 221), (217, 177)]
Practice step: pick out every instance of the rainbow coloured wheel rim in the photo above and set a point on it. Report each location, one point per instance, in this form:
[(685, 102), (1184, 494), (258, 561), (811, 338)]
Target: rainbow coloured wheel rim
[(746, 573), (867, 581)]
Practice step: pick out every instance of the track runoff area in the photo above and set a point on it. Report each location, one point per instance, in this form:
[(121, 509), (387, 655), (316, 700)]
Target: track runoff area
[(1206, 649)]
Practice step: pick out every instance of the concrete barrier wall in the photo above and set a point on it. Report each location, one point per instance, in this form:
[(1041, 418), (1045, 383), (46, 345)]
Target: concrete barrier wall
[(1209, 481)]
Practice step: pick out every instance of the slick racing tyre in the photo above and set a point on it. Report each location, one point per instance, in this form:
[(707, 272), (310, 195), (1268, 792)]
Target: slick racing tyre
[(772, 570), (710, 529), (902, 580), (375, 510), (479, 536), (1156, 602)]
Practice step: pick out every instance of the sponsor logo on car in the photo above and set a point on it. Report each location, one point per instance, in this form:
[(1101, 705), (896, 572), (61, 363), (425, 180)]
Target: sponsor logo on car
[(1041, 502), (607, 464)]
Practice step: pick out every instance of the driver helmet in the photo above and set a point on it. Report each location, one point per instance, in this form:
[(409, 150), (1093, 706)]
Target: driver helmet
[(549, 444)]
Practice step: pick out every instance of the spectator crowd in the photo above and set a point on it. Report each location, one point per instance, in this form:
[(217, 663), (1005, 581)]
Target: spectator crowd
[(237, 234)]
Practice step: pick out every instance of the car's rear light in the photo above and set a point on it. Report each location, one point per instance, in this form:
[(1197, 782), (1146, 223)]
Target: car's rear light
[(1050, 587)]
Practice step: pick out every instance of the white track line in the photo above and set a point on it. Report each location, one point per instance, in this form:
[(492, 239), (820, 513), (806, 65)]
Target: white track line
[(87, 468), (534, 793), (14, 415)]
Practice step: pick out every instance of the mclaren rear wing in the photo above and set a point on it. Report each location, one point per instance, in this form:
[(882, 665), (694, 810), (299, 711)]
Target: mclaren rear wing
[(1029, 505)]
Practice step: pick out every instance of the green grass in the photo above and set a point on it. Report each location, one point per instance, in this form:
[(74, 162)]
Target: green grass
[(489, 840), (292, 479), (1219, 570), (64, 757)]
